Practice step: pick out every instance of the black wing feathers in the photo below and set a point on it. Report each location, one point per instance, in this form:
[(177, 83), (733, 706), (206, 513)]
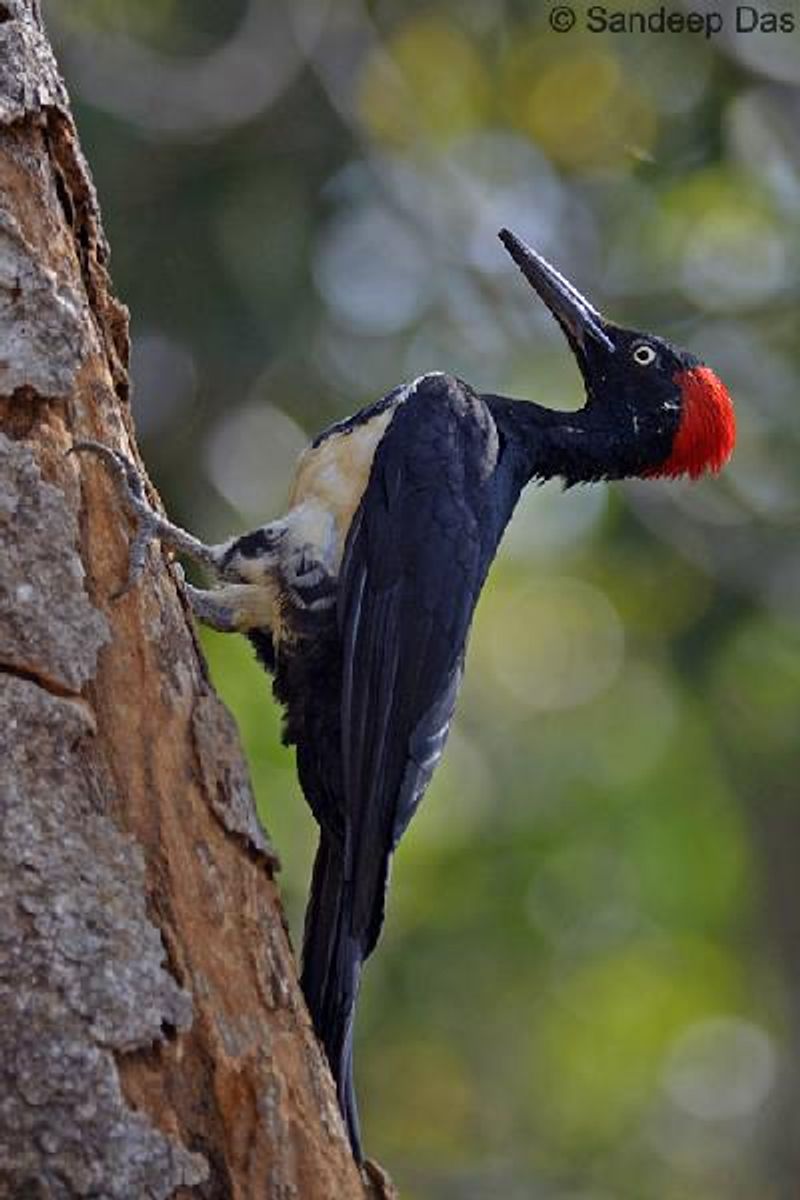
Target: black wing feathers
[(371, 697), (415, 562)]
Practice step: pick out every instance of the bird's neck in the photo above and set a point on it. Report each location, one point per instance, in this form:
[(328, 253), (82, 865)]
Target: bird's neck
[(578, 447)]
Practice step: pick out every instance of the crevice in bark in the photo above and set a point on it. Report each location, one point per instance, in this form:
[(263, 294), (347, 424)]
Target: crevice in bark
[(38, 677), (213, 735), (24, 411), (78, 201), (195, 1114), (64, 198)]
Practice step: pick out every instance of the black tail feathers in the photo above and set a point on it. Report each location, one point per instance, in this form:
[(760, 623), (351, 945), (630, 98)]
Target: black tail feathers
[(332, 961)]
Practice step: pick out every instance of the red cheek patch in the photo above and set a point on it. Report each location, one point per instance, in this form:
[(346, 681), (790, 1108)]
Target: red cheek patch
[(706, 433)]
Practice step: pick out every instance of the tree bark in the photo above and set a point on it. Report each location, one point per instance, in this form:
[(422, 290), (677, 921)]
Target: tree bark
[(153, 1038)]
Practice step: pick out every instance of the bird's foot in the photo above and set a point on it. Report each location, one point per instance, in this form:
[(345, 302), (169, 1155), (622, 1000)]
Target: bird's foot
[(149, 525), (208, 607), (130, 488)]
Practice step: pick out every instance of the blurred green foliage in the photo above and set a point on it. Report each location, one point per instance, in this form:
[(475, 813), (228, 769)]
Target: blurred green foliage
[(589, 984)]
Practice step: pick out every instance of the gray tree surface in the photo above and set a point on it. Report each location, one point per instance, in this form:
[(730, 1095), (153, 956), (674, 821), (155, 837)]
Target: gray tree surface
[(153, 1038)]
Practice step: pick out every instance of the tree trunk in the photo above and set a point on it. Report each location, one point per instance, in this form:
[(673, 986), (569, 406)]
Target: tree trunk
[(153, 1038)]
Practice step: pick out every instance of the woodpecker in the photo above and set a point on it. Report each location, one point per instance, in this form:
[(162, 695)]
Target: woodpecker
[(359, 599)]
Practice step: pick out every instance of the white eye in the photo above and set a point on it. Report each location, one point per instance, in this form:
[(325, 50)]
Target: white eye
[(644, 355)]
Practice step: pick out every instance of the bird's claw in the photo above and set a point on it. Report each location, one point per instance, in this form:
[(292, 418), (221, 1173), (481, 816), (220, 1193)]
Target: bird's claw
[(125, 473), (132, 492)]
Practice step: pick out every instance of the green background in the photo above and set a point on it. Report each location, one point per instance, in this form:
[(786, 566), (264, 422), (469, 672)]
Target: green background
[(589, 983)]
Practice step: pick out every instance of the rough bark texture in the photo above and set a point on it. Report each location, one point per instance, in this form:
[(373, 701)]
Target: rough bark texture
[(153, 1040)]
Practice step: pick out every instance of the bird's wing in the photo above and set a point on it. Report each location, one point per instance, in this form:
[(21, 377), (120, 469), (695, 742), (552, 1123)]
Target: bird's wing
[(414, 565)]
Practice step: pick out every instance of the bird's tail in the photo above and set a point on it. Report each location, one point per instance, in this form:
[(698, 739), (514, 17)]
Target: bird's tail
[(332, 960)]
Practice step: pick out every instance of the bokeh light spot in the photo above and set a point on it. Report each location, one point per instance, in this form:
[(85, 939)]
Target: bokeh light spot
[(581, 108), (426, 82), (555, 643), (373, 271), (720, 1069), (250, 455)]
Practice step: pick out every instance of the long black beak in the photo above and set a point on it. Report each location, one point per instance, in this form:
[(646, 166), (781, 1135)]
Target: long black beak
[(574, 313)]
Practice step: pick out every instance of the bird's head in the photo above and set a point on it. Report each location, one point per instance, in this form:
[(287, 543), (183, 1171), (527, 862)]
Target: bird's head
[(663, 411)]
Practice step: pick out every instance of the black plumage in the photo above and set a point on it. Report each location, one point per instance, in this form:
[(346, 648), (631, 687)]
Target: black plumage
[(371, 712)]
